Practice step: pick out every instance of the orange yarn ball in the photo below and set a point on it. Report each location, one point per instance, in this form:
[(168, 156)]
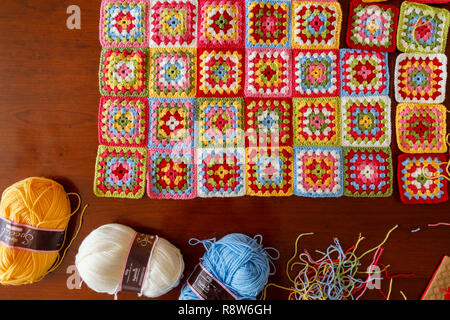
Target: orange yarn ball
[(40, 203)]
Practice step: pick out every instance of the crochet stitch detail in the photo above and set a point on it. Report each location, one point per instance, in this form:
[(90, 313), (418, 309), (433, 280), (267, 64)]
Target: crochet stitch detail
[(367, 172), (173, 23), (171, 123), (316, 73), (269, 171), (171, 174), (221, 172), (268, 122), (372, 26), (420, 78), (421, 128), (422, 28), (316, 121), (123, 72), (316, 25), (120, 172), (366, 121), (418, 178), (123, 121), (124, 23), (364, 73), (318, 172)]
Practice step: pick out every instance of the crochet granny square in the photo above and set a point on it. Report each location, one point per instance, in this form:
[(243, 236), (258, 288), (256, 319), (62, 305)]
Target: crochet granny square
[(372, 26), (123, 121), (172, 123), (120, 172), (316, 25), (171, 174), (420, 178), (268, 73), (268, 122), (318, 172), (364, 73), (421, 128), (124, 72), (268, 24), (269, 171), (124, 23), (316, 121), (420, 77), (422, 29), (173, 23), (220, 122), (367, 172), (366, 121), (316, 73), (221, 24), (173, 72), (221, 172), (220, 73)]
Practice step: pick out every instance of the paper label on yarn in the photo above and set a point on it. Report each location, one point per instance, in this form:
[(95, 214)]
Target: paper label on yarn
[(206, 287), (138, 259), (21, 236)]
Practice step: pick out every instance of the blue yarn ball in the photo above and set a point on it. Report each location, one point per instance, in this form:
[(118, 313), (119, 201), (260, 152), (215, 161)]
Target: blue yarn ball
[(238, 262)]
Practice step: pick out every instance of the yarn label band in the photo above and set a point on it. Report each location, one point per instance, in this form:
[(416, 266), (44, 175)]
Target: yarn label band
[(21, 236), (138, 259), (206, 287)]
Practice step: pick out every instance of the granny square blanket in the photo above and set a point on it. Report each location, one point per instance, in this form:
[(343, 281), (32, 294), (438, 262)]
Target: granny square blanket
[(232, 98)]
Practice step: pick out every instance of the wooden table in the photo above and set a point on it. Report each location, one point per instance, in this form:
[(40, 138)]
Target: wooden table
[(48, 127)]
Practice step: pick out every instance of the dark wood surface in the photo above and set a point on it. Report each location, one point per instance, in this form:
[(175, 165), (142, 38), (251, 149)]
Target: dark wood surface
[(48, 127)]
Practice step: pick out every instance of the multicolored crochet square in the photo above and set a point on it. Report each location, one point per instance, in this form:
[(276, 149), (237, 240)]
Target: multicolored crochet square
[(269, 171), (372, 26), (173, 72), (420, 178), (120, 172), (364, 73), (220, 73), (316, 121), (124, 23), (221, 24), (220, 122), (123, 121), (316, 25), (268, 122), (123, 72), (316, 73), (221, 172), (422, 29), (366, 121), (173, 23), (420, 77), (367, 172), (172, 123), (171, 174), (268, 24), (268, 73), (421, 128), (318, 172)]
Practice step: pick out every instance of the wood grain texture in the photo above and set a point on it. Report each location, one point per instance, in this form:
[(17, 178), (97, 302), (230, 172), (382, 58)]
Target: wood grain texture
[(48, 127)]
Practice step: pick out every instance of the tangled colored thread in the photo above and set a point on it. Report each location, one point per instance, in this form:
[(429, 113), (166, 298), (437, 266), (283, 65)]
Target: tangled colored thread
[(336, 275)]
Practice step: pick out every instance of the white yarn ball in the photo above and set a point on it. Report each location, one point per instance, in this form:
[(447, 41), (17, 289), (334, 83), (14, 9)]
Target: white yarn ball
[(102, 254)]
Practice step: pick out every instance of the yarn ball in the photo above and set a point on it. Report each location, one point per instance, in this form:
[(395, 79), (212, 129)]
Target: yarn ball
[(238, 262), (37, 202), (103, 253)]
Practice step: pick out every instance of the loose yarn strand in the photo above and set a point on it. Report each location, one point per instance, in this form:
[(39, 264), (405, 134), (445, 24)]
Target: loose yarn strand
[(80, 223)]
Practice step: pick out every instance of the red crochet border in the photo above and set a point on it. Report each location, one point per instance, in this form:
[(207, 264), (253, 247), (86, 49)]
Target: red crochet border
[(351, 44)]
